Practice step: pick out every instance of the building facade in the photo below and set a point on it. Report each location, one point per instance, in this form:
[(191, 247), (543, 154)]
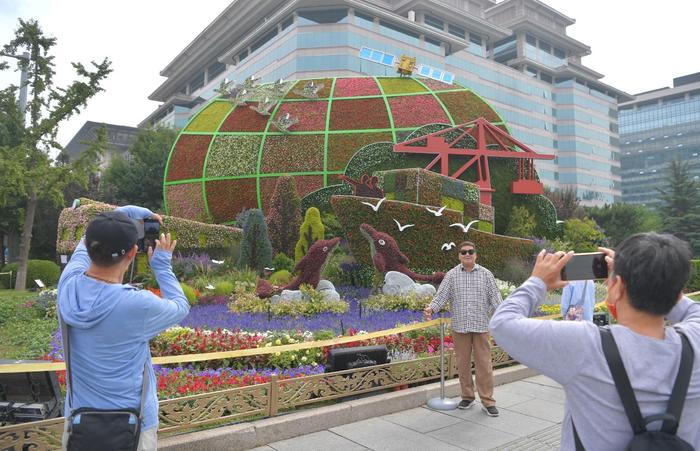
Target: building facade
[(515, 54), (119, 138), (656, 128)]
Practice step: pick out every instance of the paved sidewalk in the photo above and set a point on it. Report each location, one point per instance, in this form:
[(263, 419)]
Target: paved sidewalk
[(531, 411)]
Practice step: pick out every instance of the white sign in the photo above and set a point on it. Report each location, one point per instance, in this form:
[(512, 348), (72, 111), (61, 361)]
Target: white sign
[(64, 259), (39, 283)]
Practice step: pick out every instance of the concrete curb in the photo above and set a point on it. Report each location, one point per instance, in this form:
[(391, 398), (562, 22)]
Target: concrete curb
[(244, 436)]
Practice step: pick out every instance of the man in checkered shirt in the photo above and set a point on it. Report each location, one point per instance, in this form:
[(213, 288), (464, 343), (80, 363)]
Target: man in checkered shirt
[(473, 295)]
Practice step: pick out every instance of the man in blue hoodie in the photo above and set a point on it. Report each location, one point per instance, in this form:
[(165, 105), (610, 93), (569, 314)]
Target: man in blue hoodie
[(110, 323)]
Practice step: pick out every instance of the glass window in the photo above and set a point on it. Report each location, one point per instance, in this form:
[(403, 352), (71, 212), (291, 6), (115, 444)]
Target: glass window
[(197, 82), (545, 77), (531, 71), (457, 31), (286, 23), (434, 22), (243, 55), (432, 41), (215, 69), (263, 40), (399, 33), (545, 46), (530, 39), (559, 53), (323, 16), (475, 38)]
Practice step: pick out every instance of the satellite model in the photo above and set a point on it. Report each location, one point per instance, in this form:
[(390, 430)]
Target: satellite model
[(406, 66), (284, 122), (264, 106)]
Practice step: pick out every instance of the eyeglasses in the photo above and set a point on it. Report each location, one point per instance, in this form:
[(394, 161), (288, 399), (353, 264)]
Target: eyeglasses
[(468, 251)]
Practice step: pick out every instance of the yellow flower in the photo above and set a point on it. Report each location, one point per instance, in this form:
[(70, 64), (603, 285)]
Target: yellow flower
[(294, 357), (268, 344), (277, 353), (303, 359), (291, 340), (278, 342)]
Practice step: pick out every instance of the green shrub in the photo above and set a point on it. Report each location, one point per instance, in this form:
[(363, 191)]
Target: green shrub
[(394, 303), (333, 228), (256, 249), (281, 261), (280, 278), (312, 304), (284, 216), (311, 230), (522, 223), (223, 288), (190, 293), (45, 270)]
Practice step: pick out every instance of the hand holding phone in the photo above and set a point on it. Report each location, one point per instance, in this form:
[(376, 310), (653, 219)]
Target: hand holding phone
[(587, 266), (151, 231)]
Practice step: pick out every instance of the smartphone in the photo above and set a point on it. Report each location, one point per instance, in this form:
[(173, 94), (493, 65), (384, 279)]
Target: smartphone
[(587, 266), (151, 232)]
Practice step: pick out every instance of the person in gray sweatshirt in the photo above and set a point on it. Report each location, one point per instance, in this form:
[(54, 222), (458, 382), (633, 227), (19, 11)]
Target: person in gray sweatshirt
[(647, 273)]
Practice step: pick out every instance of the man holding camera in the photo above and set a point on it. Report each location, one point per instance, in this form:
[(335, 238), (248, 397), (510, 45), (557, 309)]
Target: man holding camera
[(473, 294), (647, 273), (110, 323)]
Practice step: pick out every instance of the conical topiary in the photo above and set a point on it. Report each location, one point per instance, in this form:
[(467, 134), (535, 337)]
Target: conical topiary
[(256, 250), (310, 231)]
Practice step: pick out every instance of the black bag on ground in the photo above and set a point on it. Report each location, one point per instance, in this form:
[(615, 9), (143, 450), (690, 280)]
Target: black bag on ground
[(664, 439), (103, 429)]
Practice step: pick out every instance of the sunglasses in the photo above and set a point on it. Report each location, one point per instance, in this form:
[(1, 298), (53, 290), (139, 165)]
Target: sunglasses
[(468, 251)]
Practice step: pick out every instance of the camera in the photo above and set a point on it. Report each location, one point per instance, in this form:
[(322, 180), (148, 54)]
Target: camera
[(151, 232)]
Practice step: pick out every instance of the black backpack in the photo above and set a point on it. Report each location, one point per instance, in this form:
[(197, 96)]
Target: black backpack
[(643, 440)]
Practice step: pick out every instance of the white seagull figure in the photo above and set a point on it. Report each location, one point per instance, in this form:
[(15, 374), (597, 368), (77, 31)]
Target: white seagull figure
[(217, 262), (559, 221), (209, 287), (466, 228), (402, 227), (448, 246), (436, 212), (269, 269), (375, 207)]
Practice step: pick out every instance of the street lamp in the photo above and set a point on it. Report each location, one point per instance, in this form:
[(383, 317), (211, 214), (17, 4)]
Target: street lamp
[(22, 81)]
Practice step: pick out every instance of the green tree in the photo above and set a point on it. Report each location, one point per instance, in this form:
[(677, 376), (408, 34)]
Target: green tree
[(256, 250), (139, 181), (32, 168), (522, 223), (680, 207), (311, 230), (284, 216), (621, 220), (583, 234)]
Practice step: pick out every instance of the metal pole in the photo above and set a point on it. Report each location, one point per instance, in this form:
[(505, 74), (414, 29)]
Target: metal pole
[(442, 403), (22, 81)]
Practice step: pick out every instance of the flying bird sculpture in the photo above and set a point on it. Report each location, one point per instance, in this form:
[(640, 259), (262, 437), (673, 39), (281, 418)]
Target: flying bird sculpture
[(373, 206), (402, 227), (436, 212), (448, 246), (465, 228)]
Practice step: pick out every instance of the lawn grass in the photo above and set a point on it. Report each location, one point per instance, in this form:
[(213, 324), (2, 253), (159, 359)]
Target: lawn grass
[(24, 332)]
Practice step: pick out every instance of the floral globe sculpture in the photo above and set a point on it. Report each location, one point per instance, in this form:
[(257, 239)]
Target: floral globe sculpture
[(231, 153)]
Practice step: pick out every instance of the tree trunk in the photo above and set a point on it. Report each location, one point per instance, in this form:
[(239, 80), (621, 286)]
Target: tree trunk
[(12, 246), (2, 249), (25, 242)]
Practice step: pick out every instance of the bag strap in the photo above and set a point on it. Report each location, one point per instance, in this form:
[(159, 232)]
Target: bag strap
[(622, 382), (680, 386), (65, 337)]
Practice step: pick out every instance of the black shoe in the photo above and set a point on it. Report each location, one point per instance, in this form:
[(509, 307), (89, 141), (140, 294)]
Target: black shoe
[(491, 411), (466, 404)]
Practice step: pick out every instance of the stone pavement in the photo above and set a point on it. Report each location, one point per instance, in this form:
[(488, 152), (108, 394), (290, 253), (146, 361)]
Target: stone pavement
[(531, 411)]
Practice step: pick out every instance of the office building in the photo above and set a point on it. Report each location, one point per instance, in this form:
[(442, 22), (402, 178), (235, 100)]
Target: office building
[(119, 138), (514, 53)]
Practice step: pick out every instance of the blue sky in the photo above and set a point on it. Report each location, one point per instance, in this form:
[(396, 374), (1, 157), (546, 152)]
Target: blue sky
[(637, 45)]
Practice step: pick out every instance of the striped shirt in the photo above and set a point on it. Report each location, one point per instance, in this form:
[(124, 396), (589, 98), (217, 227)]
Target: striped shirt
[(473, 296)]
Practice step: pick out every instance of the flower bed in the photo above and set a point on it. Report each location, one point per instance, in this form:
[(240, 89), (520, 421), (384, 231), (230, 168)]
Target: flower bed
[(250, 303), (177, 382), (465, 106), (358, 114), (352, 87), (185, 201), (187, 158), (244, 119), (209, 118), (233, 155), (227, 198), (414, 111), (304, 184), (399, 85), (341, 147), (311, 115), (411, 302), (435, 85), (292, 153)]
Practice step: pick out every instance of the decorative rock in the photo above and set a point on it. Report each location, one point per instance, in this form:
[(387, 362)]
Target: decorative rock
[(397, 284), (325, 287)]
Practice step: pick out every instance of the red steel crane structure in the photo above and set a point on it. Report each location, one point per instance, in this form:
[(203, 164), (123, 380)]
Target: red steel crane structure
[(491, 142)]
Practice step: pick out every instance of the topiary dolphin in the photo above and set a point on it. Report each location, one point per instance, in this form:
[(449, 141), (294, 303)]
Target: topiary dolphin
[(309, 269), (387, 256)]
